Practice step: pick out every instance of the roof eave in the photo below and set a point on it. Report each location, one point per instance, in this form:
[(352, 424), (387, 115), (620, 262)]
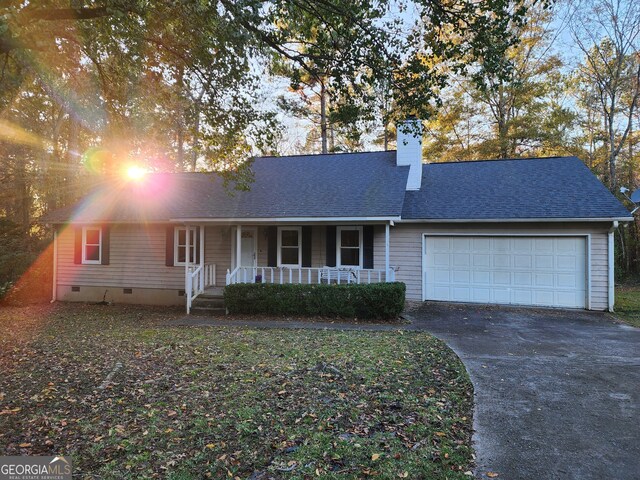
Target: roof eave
[(389, 218), (515, 220)]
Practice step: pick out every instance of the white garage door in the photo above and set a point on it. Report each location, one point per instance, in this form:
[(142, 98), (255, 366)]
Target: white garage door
[(545, 271)]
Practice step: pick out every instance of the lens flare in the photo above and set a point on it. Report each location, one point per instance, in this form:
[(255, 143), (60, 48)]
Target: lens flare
[(13, 133), (135, 172), (97, 160)]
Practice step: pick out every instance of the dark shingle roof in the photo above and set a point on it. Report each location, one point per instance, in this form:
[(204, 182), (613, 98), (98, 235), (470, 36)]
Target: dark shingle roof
[(556, 187), (335, 185), (361, 185)]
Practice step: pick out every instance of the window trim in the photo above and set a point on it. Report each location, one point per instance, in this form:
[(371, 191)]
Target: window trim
[(299, 230), (85, 260), (176, 245), (339, 231)]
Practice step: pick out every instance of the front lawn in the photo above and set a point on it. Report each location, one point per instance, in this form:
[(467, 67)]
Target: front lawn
[(627, 307), (225, 402)]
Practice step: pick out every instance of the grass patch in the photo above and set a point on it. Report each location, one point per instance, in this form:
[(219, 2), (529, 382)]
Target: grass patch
[(228, 403), (627, 307)]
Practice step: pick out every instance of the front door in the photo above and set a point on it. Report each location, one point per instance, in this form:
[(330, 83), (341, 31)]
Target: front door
[(248, 249), (248, 254)]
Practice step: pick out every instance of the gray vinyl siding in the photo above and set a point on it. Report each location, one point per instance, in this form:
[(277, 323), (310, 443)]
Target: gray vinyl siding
[(137, 260), (599, 271), (137, 254), (406, 250), (217, 241)]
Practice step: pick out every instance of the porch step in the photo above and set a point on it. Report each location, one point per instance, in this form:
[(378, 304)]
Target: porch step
[(210, 296), (208, 303), (207, 311)]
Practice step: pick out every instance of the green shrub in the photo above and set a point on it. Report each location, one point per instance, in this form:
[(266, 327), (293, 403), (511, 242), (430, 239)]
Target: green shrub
[(371, 301)]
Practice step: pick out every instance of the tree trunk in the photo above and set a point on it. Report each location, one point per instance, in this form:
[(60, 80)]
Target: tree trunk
[(332, 138), (180, 142), (323, 117), (386, 137), (21, 199), (69, 167), (196, 141), (630, 166), (51, 174), (607, 160), (180, 121), (612, 154)]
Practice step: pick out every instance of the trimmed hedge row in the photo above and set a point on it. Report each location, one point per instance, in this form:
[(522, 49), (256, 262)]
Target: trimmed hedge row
[(370, 301)]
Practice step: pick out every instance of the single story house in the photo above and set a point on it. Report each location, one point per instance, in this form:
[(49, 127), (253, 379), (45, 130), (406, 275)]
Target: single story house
[(533, 231)]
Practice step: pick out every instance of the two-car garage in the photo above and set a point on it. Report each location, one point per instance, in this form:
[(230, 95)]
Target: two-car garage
[(523, 232), (507, 269)]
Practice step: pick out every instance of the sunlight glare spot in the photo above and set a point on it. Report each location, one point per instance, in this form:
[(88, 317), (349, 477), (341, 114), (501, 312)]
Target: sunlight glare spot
[(134, 172)]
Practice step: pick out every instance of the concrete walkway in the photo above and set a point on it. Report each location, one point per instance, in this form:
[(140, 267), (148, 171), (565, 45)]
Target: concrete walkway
[(557, 393)]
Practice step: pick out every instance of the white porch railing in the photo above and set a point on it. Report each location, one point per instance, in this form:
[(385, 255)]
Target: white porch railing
[(198, 278), (309, 275), (209, 275)]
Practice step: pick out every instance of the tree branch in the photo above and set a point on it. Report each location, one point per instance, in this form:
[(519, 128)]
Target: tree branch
[(53, 14)]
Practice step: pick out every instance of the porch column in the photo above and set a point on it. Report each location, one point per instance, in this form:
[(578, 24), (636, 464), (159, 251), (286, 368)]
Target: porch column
[(386, 251), (187, 277), (238, 245), (202, 257), (54, 293)]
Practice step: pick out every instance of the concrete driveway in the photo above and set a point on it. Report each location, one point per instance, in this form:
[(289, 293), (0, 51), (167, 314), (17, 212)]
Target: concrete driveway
[(557, 392)]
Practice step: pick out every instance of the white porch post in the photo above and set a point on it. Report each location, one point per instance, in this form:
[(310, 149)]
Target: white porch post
[(386, 251), (54, 293), (187, 290), (611, 265), (202, 258), (238, 245)]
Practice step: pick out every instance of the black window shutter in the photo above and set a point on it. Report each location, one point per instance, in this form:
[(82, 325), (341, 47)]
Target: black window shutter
[(331, 246), (306, 246), (367, 246), (106, 244), (169, 246), (77, 246), (272, 246)]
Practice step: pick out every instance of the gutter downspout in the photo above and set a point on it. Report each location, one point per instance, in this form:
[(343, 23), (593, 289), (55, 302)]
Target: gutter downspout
[(54, 292), (611, 279)]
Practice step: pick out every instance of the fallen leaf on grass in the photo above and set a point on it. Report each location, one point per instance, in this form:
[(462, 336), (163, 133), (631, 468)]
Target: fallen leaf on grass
[(13, 411), (24, 445), (492, 474), (375, 457)]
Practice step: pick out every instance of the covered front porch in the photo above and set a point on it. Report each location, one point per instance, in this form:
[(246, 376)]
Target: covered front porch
[(305, 253)]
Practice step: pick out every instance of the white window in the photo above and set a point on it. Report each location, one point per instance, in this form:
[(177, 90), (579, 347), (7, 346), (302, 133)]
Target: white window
[(289, 246), (92, 245), (349, 247), (180, 245)]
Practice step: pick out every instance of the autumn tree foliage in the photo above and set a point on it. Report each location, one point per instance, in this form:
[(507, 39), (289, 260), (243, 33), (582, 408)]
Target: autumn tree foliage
[(89, 86)]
